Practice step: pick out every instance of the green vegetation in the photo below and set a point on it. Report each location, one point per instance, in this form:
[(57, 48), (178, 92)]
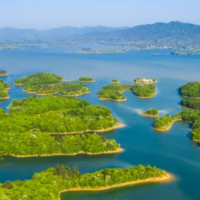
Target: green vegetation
[(145, 80), (191, 116), (67, 89), (151, 113), (144, 91), (39, 79), (38, 143), (56, 114), (113, 92), (115, 81), (191, 89), (3, 72), (85, 79), (3, 89), (191, 103), (48, 184)]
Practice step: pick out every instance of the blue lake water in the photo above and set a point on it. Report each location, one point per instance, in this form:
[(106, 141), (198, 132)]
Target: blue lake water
[(172, 151)]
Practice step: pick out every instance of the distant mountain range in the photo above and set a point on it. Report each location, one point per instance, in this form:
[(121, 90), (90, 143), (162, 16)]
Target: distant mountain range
[(173, 32)]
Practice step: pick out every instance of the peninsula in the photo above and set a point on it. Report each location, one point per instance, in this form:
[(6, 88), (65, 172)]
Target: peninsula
[(190, 116), (145, 80), (153, 113), (191, 103), (3, 73), (60, 179), (145, 91), (191, 90)]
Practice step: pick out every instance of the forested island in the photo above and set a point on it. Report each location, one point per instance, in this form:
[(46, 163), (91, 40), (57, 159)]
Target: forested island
[(145, 80), (113, 92), (57, 115), (85, 79), (36, 143), (191, 90), (191, 103), (66, 89), (50, 183), (3, 73), (190, 116), (47, 84), (144, 90), (4, 87), (115, 81), (39, 79), (151, 113)]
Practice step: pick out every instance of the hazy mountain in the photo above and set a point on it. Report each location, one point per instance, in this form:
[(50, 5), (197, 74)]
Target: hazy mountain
[(173, 32), (13, 34), (153, 32)]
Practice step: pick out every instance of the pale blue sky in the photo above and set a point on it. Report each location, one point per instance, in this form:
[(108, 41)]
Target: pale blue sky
[(45, 14)]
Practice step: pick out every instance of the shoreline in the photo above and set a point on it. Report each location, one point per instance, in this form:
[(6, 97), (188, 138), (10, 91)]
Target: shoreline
[(118, 82), (191, 97), (184, 107), (118, 150), (84, 81), (142, 97), (3, 74), (39, 94), (168, 128), (98, 131), (108, 99), (195, 140), (77, 95), (144, 82), (168, 177), (3, 98), (19, 84), (148, 115)]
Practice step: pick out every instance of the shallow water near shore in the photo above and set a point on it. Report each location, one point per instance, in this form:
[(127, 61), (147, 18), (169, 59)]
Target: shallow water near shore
[(172, 150)]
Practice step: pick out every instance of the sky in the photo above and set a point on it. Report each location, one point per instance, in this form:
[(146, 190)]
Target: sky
[(46, 14)]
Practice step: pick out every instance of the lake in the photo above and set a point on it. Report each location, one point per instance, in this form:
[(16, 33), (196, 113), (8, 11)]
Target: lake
[(172, 150)]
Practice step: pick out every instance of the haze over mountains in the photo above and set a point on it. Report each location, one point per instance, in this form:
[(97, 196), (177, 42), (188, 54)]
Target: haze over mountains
[(157, 33)]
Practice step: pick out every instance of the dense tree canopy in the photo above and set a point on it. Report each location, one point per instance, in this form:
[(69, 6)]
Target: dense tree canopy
[(67, 89), (145, 80), (56, 114), (48, 184), (39, 79), (114, 91), (3, 89), (115, 81), (145, 90), (191, 89), (191, 103), (86, 79), (3, 72), (152, 112), (37, 143)]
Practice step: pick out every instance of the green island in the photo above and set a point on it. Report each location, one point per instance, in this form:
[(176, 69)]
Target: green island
[(47, 84), (191, 90), (151, 113), (57, 115), (39, 79), (115, 81), (144, 90), (50, 183), (191, 103), (145, 80), (36, 143), (3, 73), (4, 87), (190, 116), (66, 89), (85, 79), (113, 92)]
